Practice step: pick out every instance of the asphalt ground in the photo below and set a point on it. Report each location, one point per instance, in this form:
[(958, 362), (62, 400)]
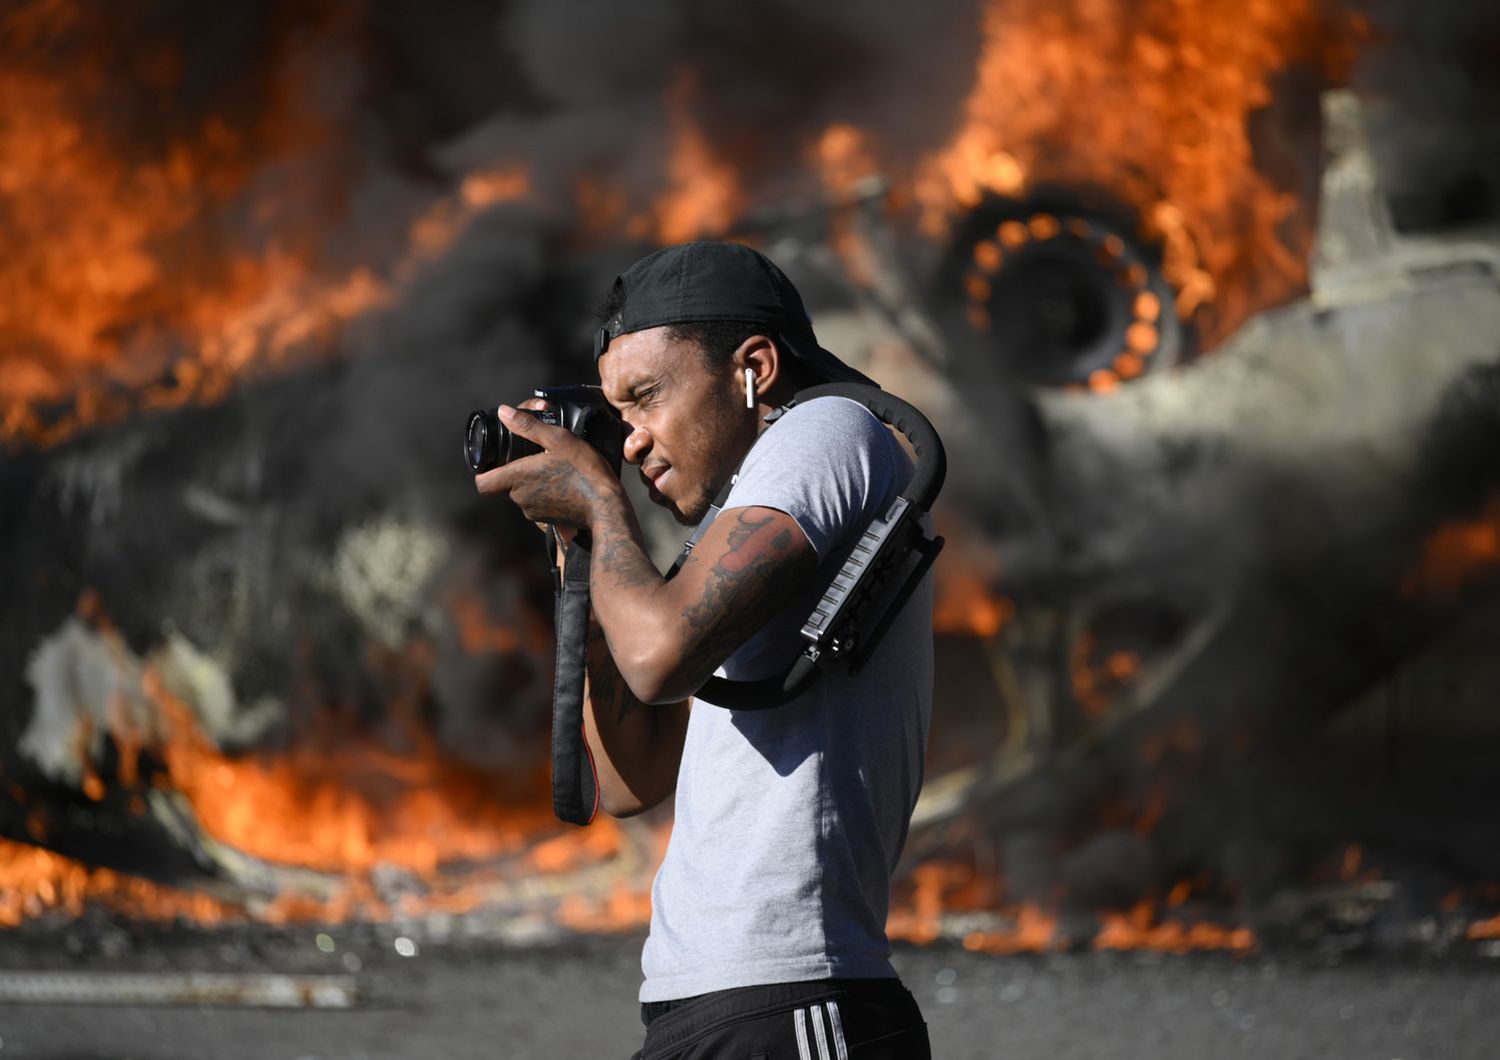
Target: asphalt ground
[(569, 999)]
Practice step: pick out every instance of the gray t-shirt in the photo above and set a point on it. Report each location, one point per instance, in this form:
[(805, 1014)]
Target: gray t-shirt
[(789, 821)]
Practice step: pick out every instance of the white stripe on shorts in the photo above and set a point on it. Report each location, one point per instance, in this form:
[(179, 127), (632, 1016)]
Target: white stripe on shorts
[(800, 1019), (841, 1051), (822, 1038)]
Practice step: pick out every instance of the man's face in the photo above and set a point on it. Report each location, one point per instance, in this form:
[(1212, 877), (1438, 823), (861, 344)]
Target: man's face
[(688, 423)]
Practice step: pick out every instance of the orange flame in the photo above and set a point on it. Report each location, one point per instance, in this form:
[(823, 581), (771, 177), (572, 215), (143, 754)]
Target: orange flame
[(964, 600), (1349, 865), (34, 882), (965, 606), (946, 889), (153, 282), (1151, 101), (482, 635), (1097, 682), (1035, 932), (1139, 929), (1485, 929), (345, 807), (936, 888), (843, 158), (442, 222), (703, 195), (345, 811), (116, 266), (1457, 553)]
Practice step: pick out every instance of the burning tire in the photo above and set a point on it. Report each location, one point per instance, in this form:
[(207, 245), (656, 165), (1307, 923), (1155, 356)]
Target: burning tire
[(1064, 294)]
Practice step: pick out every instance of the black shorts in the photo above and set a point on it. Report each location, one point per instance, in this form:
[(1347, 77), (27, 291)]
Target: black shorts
[(830, 1019)]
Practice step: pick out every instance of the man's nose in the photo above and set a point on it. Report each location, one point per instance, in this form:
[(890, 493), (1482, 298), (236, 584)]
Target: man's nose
[(637, 444)]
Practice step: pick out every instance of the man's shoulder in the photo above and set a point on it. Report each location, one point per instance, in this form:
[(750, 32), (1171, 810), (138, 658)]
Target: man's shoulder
[(828, 463), (825, 427), (833, 412)]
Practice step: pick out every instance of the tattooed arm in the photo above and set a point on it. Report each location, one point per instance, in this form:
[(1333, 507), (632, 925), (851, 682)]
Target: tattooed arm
[(672, 636), (652, 643), (667, 638)]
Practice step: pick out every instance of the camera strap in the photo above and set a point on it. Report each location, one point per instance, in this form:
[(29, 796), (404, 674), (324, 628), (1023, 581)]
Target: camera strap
[(575, 784)]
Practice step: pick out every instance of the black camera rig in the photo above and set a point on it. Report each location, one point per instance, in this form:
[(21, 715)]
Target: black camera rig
[(488, 443)]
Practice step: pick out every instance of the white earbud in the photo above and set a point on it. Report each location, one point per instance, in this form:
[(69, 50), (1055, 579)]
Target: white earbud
[(749, 388)]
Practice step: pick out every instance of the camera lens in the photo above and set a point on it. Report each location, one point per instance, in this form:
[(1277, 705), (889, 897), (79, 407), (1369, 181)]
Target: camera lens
[(475, 444), (488, 444), (482, 441)]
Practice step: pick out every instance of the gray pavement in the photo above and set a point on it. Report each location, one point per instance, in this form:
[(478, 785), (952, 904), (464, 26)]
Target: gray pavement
[(464, 1000)]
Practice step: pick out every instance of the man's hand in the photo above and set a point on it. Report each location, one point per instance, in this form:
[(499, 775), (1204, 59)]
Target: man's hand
[(565, 534), (565, 484)]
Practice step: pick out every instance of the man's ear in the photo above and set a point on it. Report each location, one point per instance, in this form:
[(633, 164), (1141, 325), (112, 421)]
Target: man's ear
[(762, 356)]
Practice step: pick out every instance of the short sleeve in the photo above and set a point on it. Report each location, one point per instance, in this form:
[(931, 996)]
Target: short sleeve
[(826, 463)]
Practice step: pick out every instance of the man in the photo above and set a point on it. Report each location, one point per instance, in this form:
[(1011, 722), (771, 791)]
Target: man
[(768, 913)]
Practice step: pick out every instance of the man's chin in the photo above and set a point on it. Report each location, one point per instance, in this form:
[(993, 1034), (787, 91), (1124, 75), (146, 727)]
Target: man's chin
[(688, 513), (691, 515)]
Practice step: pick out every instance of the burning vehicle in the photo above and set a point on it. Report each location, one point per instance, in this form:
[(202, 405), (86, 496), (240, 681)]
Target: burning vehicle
[(1205, 301)]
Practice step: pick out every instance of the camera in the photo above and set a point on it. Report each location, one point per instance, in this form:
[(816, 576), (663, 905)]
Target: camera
[(488, 443)]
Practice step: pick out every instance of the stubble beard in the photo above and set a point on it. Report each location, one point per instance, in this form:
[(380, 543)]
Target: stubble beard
[(694, 515), (724, 412)]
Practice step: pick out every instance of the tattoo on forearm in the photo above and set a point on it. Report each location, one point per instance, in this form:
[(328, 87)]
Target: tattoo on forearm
[(560, 485), (742, 588), (618, 554)]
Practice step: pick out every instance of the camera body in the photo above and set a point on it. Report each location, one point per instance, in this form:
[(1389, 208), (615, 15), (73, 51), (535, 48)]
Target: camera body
[(581, 409)]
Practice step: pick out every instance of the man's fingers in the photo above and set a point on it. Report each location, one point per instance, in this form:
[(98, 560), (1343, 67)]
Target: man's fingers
[(495, 480), (524, 425), (528, 426), (516, 418)]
